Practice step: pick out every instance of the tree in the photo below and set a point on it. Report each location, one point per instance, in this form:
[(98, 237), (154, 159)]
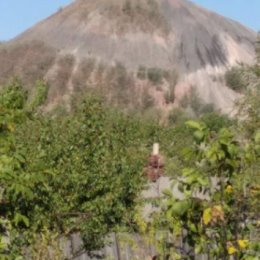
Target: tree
[(85, 179), (213, 217)]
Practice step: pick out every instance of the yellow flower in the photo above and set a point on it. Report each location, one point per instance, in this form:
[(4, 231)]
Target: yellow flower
[(229, 189), (231, 250), (243, 243)]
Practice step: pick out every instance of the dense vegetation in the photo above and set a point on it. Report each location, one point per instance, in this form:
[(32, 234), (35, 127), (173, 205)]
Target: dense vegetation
[(218, 216), (75, 172), (81, 171), (63, 173)]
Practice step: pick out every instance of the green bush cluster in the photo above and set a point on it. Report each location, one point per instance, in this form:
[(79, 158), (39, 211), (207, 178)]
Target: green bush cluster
[(78, 172), (236, 79)]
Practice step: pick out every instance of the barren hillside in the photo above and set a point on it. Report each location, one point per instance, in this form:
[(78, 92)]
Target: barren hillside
[(138, 53)]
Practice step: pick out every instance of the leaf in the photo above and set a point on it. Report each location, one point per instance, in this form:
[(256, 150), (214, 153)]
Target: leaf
[(194, 125), (199, 135), (179, 208), (18, 218), (167, 193), (188, 172), (3, 243), (207, 216), (198, 249)]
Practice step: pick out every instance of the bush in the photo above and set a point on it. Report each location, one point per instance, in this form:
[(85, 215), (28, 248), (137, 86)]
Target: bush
[(13, 95), (40, 94), (215, 121), (177, 116), (235, 79), (155, 75), (65, 181)]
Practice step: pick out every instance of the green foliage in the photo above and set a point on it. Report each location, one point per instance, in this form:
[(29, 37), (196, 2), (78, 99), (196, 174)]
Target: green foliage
[(40, 94), (73, 160), (85, 179), (40, 248), (218, 212), (208, 219), (13, 96), (215, 121), (177, 116), (236, 79), (82, 172), (249, 111)]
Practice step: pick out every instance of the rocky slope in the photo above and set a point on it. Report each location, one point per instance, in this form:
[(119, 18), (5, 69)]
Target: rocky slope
[(136, 52)]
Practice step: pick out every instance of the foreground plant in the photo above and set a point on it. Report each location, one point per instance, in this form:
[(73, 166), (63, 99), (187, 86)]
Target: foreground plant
[(218, 212)]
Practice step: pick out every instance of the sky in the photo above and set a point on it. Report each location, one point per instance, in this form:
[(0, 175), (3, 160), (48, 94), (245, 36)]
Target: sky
[(19, 15)]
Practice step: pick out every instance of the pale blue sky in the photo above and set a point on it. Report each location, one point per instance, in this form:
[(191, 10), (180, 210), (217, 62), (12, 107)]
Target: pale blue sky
[(18, 15)]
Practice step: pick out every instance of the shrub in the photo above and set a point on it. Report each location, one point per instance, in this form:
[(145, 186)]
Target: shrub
[(177, 116), (155, 75), (40, 94), (236, 79), (215, 121), (13, 95)]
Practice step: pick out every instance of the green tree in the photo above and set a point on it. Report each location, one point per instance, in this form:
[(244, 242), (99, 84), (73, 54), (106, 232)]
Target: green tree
[(213, 218), (85, 179)]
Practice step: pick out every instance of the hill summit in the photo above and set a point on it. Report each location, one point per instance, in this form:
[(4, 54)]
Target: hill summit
[(138, 53)]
